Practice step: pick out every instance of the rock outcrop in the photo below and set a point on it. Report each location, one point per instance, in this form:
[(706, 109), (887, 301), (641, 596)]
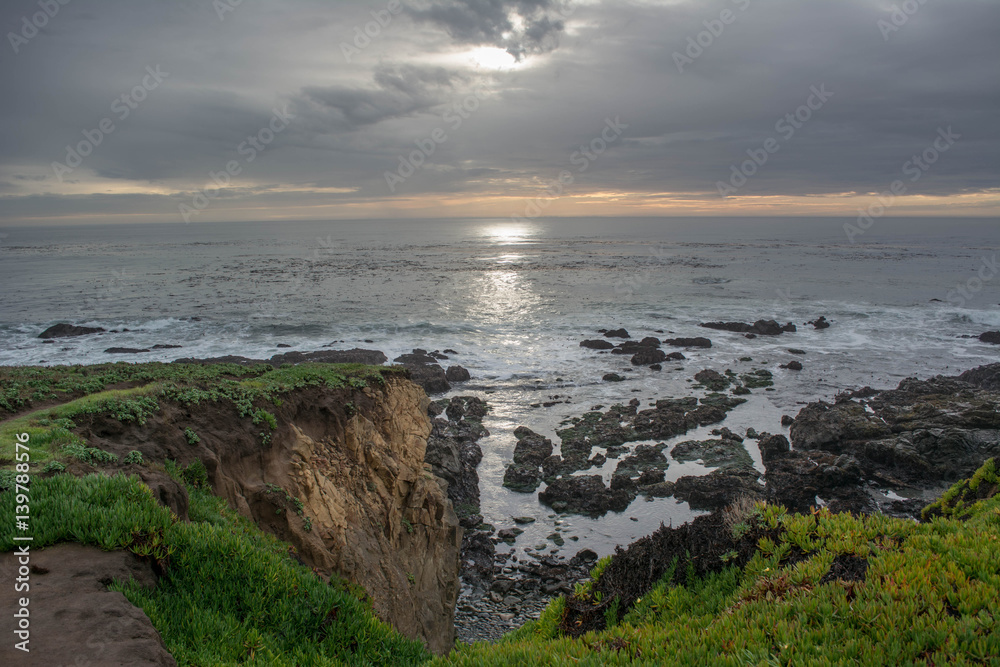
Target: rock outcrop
[(923, 435)]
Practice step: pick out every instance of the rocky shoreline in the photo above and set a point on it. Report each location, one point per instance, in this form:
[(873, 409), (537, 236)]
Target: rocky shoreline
[(890, 451)]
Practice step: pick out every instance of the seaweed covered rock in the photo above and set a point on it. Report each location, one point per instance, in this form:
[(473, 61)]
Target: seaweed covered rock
[(585, 494)]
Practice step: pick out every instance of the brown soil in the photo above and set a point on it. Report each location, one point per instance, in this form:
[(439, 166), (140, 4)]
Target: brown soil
[(75, 619)]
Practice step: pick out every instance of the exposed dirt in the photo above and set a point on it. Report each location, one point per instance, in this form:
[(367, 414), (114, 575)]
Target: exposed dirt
[(74, 618), (847, 568)]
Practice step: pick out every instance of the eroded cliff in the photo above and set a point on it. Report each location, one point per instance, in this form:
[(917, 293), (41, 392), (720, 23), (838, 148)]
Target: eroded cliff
[(341, 477)]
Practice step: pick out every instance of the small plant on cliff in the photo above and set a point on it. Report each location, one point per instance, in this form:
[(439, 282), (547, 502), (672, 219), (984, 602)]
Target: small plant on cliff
[(266, 417), (307, 524), (91, 455), (408, 525), (410, 578), (196, 474), (349, 409), (134, 456), (192, 437), (53, 466)]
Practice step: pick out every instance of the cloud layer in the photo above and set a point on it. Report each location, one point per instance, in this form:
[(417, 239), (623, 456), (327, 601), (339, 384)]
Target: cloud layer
[(479, 105)]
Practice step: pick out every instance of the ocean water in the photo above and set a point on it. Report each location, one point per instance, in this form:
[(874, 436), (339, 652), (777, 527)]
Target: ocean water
[(515, 299)]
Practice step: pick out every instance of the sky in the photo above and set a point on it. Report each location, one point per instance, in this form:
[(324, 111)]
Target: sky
[(219, 110)]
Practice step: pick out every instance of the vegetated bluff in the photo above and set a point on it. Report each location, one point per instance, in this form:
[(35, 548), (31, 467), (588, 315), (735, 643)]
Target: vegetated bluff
[(338, 472)]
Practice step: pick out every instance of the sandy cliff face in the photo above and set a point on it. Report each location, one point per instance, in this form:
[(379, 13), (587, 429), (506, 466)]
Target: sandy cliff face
[(354, 458)]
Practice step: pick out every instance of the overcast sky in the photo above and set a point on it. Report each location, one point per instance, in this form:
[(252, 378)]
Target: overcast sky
[(478, 107)]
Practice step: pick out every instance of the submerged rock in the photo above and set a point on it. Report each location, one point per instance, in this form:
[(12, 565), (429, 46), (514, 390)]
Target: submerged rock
[(689, 342)]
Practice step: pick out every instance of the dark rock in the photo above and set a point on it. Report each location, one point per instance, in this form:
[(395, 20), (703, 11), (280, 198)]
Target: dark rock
[(983, 377), (713, 453), (719, 488), (431, 377), (125, 350), (509, 533), (792, 366), (531, 448), (650, 355), (283, 345), (792, 350), (925, 434), (758, 328), (597, 344), (650, 341), (713, 380), (616, 333), (736, 327), (820, 323), (166, 347), (585, 495), (992, 337), (772, 447), (453, 452), (655, 367), (522, 478), (767, 328), (612, 377), (644, 458), (457, 374), (689, 342), (787, 420), (63, 330)]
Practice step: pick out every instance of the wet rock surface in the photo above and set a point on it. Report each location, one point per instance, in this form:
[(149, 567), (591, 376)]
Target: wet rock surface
[(520, 591), (758, 328), (919, 437), (585, 494), (63, 330), (425, 371)]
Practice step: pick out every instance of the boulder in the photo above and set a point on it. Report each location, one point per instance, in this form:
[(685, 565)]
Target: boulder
[(597, 344), (647, 356), (616, 333), (992, 337), (63, 330), (820, 322), (457, 374), (585, 495), (531, 448)]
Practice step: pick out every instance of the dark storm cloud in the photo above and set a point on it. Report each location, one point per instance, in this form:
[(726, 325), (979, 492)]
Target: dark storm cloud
[(399, 91), (492, 23)]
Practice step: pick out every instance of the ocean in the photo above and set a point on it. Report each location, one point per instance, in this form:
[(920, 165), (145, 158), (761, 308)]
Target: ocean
[(907, 297)]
